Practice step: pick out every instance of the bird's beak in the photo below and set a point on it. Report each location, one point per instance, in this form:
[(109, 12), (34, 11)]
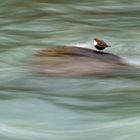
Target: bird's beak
[(109, 45)]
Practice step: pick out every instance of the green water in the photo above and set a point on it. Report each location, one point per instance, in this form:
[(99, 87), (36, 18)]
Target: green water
[(33, 107)]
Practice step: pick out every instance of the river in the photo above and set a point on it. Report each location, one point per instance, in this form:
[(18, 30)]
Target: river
[(36, 107)]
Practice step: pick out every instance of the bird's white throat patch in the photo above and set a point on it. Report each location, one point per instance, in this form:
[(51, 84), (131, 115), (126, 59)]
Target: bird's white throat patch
[(95, 43)]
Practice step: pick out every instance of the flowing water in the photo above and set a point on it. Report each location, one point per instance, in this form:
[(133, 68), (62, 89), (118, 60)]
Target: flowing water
[(35, 107)]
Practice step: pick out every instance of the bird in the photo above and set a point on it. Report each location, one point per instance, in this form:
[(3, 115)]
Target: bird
[(100, 44)]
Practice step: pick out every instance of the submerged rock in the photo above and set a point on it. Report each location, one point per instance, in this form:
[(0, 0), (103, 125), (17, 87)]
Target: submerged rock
[(75, 62)]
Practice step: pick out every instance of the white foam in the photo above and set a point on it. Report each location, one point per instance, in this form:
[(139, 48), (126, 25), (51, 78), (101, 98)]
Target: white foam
[(88, 45), (133, 61)]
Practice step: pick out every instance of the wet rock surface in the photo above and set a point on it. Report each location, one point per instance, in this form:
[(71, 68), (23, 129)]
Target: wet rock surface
[(75, 62)]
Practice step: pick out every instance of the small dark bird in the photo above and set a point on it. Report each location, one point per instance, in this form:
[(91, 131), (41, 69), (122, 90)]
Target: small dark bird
[(100, 44)]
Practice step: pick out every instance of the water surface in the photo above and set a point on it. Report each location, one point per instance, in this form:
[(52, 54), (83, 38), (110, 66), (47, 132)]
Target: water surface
[(33, 107)]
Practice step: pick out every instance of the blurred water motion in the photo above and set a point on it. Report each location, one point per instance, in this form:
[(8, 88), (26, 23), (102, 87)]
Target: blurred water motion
[(38, 107)]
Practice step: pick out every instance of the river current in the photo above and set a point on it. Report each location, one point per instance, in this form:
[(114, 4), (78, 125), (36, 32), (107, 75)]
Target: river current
[(37, 107)]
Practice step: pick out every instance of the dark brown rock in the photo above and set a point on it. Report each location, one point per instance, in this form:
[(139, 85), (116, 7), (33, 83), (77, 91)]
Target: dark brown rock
[(76, 61)]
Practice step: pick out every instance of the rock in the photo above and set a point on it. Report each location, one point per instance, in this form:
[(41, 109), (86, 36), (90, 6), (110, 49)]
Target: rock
[(76, 62)]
